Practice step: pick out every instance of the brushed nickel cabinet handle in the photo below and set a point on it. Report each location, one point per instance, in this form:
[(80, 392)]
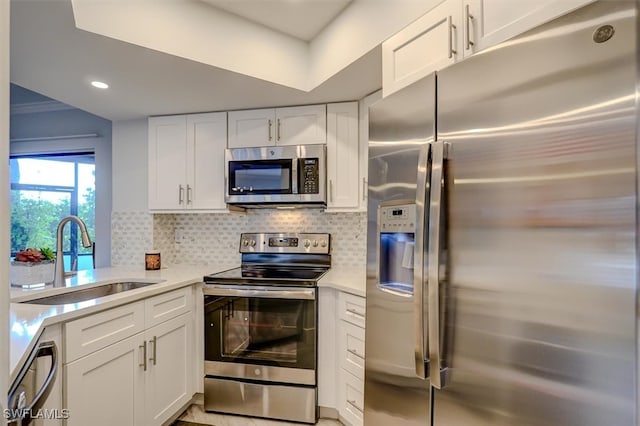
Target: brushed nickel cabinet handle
[(143, 346), (189, 191), (468, 17), (278, 130), (364, 189), (452, 28), (155, 347), (330, 190), (180, 194), (354, 352), (269, 131)]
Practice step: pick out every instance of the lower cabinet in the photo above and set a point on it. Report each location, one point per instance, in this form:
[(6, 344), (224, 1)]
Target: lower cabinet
[(143, 379), (168, 384), (341, 355), (107, 387)]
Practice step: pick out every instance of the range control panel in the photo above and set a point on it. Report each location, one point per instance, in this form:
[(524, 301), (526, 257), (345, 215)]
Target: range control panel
[(317, 243)]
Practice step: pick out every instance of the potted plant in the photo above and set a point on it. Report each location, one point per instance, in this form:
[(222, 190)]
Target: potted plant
[(33, 267)]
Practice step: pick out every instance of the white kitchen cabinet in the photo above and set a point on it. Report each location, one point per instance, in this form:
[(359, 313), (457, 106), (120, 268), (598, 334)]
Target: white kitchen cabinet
[(345, 191), (186, 158), (107, 387), (351, 355), (489, 22), (341, 353), (327, 355), (144, 377), (430, 43), (168, 383), (300, 125)]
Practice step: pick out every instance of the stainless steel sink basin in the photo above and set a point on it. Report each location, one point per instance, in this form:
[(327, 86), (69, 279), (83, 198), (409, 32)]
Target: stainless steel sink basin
[(90, 293)]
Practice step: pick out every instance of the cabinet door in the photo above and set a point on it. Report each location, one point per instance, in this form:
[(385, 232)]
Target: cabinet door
[(428, 44), (343, 170), (169, 385), (251, 128), (351, 398), (167, 162), (105, 388), (327, 343), (207, 136), (304, 125), (489, 22)]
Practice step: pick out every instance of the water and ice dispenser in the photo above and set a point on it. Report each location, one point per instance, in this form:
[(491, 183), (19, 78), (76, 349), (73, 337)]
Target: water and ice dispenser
[(396, 233)]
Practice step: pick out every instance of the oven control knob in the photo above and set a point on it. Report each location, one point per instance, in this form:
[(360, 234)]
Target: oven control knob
[(245, 242), (315, 243), (252, 243), (323, 243), (307, 243)]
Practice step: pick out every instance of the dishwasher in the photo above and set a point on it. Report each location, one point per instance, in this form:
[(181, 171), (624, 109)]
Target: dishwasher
[(32, 386)]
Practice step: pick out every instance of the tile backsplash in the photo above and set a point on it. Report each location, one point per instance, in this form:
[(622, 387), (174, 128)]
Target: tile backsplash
[(196, 239)]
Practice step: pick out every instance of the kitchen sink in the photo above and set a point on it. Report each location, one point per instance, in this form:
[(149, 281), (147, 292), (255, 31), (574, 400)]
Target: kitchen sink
[(90, 293)]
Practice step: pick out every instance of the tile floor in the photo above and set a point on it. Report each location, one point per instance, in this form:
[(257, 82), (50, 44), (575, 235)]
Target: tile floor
[(196, 416)]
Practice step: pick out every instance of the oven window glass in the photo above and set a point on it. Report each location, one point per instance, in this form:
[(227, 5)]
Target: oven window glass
[(279, 332), (260, 177), (396, 261)]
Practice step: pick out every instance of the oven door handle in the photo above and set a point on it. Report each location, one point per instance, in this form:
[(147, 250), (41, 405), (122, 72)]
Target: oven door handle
[(265, 292)]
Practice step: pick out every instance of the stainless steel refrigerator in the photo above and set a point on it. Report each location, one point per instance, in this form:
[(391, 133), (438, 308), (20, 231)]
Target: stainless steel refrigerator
[(502, 234)]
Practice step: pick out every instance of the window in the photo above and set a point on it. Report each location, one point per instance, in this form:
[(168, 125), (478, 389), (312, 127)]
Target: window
[(46, 188)]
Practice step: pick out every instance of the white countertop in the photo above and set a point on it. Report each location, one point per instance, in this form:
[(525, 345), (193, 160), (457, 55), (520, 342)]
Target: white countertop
[(349, 280), (27, 321)]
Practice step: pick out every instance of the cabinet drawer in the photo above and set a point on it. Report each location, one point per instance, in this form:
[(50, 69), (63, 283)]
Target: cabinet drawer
[(89, 334), (352, 308), (352, 349), (351, 394), (161, 308)]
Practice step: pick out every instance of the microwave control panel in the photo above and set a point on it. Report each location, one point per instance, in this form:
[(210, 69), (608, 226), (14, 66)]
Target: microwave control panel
[(309, 175)]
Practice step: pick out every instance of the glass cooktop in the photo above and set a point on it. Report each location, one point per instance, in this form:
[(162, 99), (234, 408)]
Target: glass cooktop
[(274, 275)]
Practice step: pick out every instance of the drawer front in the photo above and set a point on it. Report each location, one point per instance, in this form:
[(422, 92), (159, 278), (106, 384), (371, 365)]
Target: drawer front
[(351, 394), (159, 309), (89, 334), (352, 308), (352, 349)]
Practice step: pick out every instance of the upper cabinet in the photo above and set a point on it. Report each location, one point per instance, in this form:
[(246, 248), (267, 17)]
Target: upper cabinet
[(426, 45), (489, 22), (300, 125), (343, 158), (456, 29), (186, 157)]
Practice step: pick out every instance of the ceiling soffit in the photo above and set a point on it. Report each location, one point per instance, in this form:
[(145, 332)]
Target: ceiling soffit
[(196, 31)]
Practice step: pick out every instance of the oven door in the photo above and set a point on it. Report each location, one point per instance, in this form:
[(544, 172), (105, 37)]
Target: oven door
[(261, 333)]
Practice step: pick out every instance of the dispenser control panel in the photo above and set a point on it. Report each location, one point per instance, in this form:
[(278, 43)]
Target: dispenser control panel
[(397, 217)]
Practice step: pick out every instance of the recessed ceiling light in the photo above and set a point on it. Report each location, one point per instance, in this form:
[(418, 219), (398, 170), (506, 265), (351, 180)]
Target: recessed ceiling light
[(99, 84)]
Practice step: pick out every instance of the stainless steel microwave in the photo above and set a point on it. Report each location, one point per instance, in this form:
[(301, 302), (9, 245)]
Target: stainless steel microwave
[(276, 176)]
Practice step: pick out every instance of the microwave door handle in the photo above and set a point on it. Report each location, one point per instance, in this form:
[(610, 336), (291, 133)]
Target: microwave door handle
[(419, 264), (437, 368), (294, 175)]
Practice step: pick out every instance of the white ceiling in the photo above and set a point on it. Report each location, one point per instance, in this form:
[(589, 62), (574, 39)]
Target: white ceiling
[(298, 18), (51, 56)]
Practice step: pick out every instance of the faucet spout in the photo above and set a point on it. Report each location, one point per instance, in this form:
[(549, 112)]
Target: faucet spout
[(59, 280)]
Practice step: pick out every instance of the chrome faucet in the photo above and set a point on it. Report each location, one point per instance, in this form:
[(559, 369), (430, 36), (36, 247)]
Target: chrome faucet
[(59, 280)]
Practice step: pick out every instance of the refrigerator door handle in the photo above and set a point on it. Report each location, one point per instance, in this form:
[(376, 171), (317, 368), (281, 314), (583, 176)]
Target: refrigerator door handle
[(419, 265), (437, 369)]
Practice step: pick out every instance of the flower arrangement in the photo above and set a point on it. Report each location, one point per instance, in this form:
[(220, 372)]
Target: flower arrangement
[(33, 266)]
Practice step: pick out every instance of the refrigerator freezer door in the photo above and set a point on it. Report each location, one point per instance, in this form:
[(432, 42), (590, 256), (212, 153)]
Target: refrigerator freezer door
[(401, 127), (541, 301)]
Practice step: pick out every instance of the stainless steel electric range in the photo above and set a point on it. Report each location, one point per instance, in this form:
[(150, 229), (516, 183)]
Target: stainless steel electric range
[(260, 326)]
